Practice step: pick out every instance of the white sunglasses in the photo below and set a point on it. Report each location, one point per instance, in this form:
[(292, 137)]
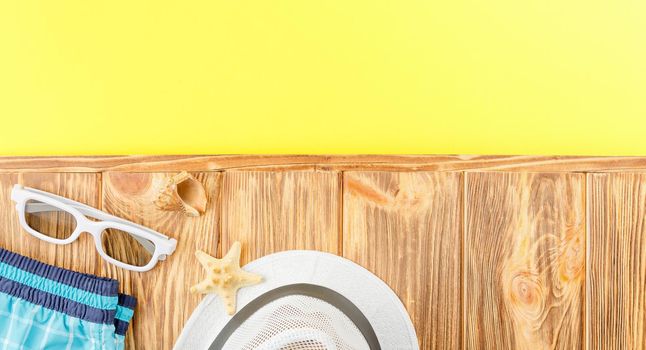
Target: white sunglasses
[(60, 220)]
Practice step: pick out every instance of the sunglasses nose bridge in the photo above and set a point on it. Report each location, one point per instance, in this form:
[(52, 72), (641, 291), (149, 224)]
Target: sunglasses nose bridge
[(91, 227)]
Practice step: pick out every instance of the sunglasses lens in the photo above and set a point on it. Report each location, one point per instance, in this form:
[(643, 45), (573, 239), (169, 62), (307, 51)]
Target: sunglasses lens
[(49, 220), (127, 248)]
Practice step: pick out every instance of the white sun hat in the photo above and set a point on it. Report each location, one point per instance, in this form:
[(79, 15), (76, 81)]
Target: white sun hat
[(308, 300)]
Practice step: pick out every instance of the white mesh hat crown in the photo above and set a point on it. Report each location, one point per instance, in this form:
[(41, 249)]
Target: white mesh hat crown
[(298, 317), (308, 300)]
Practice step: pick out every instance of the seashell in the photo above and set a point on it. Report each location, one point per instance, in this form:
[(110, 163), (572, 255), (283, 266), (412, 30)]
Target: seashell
[(182, 192)]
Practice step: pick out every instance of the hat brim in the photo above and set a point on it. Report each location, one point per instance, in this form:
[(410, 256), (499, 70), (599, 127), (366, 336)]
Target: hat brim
[(379, 304)]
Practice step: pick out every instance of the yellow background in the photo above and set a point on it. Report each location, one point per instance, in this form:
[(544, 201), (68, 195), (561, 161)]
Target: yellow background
[(328, 76)]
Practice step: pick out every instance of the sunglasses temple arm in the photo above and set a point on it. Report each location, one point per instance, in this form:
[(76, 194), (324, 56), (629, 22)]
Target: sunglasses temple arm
[(145, 243), (44, 207), (40, 207)]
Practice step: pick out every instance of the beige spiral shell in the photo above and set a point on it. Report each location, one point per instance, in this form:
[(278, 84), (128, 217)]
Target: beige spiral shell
[(182, 192)]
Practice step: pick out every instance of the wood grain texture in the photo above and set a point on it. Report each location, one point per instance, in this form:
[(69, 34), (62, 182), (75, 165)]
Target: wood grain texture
[(164, 301), (405, 228), (321, 163), (524, 261), (617, 261), (270, 212), (521, 247), (80, 255)]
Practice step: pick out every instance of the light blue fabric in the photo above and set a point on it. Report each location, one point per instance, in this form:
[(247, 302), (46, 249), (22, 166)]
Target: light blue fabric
[(47, 307), (124, 313), (24, 325)]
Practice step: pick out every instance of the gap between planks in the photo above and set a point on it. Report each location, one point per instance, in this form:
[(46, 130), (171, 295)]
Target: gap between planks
[(203, 163), (218, 224), (463, 310), (340, 211), (586, 212)]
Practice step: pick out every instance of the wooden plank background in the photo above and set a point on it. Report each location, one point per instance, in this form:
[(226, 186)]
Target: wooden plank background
[(164, 302), (524, 261), (484, 251), (275, 211), (405, 227), (617, 259)]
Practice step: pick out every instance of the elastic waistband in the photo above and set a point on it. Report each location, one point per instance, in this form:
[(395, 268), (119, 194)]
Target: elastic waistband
[(84, 296), (82, 281)]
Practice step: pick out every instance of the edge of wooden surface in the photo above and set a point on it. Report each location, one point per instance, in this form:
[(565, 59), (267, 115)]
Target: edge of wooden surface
[(139, 163)]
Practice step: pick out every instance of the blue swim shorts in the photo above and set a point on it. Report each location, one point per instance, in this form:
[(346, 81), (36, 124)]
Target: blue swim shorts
[(47, 307)]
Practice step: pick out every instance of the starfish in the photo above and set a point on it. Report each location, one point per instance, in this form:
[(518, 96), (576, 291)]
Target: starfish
[(224, 277)]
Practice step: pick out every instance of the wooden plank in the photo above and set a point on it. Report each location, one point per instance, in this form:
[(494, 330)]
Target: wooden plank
[(270, 212), (524, 261), (322, 163), (405, 228), (80, 255), (617, 261), (163, 293)]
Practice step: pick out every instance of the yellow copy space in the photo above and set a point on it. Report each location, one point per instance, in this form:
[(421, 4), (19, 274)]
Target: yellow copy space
[(333, 76)]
